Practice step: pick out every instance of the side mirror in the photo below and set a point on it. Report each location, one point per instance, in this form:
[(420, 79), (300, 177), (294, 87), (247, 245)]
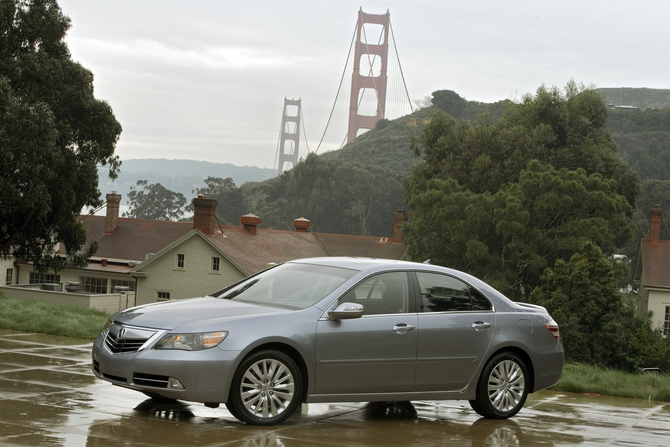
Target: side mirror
[(346, 311)]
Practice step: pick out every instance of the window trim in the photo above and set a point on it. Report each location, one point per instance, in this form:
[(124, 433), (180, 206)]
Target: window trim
[(215, 261), (46, 278), (160, 299), (180, 258), (82, 280)]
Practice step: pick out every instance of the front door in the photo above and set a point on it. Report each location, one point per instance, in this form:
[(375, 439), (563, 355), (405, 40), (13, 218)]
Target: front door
[(375, 353)]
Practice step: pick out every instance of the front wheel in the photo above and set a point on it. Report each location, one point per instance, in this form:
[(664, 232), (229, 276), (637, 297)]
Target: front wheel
[(266, 388), (502, 388)]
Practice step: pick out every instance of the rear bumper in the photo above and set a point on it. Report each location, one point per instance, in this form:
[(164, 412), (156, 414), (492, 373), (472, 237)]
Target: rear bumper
[(548, 368)]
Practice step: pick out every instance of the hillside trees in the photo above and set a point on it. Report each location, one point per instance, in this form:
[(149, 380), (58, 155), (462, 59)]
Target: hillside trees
[(53, 134), (598, 324), (230, 204), (155, 202), (478, 202), (338, 197)]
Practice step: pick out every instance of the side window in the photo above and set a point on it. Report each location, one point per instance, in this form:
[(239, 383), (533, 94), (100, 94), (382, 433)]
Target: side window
[(479, 302), (386, 293), (442, 293)]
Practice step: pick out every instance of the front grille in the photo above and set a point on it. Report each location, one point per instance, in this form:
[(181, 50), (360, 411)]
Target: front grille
[(150, 380), (123, 345)]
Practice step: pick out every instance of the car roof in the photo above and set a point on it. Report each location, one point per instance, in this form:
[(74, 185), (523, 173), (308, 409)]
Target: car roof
[(371, 265), (362, 264)]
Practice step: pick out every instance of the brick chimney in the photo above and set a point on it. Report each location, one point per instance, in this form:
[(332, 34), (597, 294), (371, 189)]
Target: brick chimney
[(655, 229), (301, 224), (204, 217), (250, 222), (112, 220), (398, 219)]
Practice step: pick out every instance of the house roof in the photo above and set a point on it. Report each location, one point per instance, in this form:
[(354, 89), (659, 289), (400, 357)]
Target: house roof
[(133, 239), (254, 252), (655, 260), (361, 246)]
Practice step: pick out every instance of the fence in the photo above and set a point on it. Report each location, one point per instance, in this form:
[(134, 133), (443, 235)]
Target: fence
[(109, 303)]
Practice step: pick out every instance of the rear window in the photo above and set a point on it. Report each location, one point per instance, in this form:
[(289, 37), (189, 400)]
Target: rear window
[(294, 286)]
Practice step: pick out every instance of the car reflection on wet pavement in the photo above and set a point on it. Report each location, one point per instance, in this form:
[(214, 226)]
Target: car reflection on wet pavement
[(49, 396)]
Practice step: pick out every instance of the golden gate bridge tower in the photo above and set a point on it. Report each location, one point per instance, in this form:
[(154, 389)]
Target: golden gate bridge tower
[(368, 80), (370, 92), (290, 132)]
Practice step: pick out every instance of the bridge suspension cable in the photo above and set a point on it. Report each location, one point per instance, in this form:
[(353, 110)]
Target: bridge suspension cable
[(337, 95), (395, 96)]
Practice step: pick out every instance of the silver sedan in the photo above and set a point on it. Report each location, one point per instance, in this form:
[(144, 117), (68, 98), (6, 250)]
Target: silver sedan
[(336, 330)]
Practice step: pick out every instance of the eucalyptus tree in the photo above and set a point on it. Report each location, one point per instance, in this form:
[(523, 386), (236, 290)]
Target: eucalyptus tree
[(505, 200), (53, 135), (155, 202)]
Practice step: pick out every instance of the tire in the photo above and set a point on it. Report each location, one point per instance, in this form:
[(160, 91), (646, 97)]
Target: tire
[(266, 388), (502, 388)]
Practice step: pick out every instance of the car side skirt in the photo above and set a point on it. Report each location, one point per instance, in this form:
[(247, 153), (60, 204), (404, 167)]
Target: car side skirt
[(467, 393)]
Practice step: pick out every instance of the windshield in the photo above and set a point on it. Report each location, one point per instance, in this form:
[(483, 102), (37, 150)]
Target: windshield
[(296, 286)]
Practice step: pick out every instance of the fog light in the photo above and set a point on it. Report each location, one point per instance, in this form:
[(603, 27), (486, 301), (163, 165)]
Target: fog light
[(175, 384)]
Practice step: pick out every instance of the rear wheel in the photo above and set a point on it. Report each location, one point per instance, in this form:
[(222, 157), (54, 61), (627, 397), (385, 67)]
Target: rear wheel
[(502, 388), (266, 388)]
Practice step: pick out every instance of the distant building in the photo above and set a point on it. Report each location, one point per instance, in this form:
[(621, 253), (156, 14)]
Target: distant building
[(162, 260), (621, 107), (652, 273)]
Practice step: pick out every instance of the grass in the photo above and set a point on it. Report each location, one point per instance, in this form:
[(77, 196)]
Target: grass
[(582, 378), (47, 318)]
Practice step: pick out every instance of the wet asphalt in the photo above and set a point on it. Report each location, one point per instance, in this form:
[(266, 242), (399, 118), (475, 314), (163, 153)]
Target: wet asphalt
[(50, 397)]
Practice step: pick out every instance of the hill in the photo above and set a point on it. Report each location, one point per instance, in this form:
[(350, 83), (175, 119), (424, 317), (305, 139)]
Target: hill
[(643, 140), (177, 175)]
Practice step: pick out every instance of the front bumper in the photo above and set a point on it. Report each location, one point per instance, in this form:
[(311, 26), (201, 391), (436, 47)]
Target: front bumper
[(205, 375)]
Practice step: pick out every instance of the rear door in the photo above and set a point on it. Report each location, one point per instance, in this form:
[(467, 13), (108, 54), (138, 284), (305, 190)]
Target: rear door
[(456, 324)]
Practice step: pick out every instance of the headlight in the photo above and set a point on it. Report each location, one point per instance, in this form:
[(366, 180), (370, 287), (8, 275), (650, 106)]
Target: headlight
[(107, 325), (191, 342)]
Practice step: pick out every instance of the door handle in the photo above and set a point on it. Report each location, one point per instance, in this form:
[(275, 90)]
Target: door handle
[(402, 328), (480, 325)]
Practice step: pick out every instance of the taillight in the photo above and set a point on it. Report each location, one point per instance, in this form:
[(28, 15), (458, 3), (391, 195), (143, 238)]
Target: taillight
[(553, 328)]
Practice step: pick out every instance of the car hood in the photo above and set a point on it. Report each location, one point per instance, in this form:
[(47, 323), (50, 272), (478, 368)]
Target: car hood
[(191, 314)]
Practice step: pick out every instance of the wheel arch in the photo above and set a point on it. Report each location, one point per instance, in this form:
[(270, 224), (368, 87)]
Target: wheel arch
[(527, 360), (295, 356)]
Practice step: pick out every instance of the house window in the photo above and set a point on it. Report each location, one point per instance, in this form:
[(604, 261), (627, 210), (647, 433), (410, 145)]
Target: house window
[(180, 261), (666, 321), (162, 296), (216, 263), (94, 285), (123, 283), (42, 278), (9, 277)]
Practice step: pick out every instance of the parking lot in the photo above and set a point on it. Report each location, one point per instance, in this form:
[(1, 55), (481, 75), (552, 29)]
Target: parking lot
[(49, 397)]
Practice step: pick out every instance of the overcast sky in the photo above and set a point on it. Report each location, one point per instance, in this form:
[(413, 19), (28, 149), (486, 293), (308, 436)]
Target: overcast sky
[(206, 80)]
